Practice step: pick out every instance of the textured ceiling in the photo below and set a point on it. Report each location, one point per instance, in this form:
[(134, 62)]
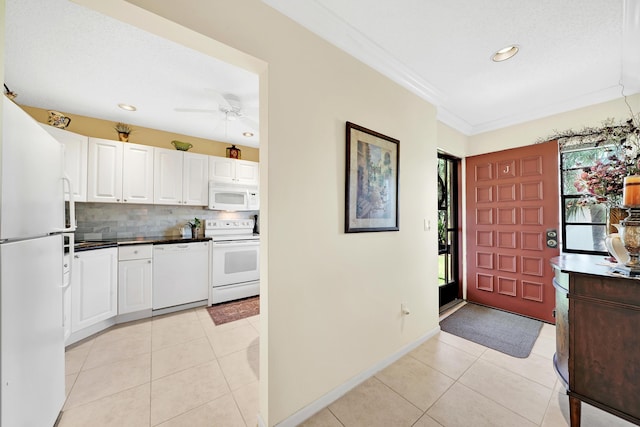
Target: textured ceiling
[(62, 56), (573, 53)]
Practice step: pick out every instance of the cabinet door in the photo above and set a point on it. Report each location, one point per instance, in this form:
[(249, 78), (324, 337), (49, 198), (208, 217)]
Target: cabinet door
[(94, 287), (222, 170), (167, 177), (75, 159), (104, 182), (195, 179), (137, 174), (134, 285), (247, 172)]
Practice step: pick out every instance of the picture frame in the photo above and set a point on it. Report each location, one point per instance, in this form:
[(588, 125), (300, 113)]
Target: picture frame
[(372, 184)]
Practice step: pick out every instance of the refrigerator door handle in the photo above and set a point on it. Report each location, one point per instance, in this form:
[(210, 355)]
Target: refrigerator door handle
[(72, 206), (72, 244)]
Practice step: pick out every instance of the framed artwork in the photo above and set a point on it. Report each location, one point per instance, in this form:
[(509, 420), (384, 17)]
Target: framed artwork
[(371, 191)]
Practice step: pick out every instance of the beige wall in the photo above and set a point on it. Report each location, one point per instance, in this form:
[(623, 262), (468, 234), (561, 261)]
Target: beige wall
[(97, 128), (451, 142), (330, 300)]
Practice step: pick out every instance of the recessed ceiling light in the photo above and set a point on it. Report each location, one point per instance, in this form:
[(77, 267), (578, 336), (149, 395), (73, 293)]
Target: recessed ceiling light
[(505, 53), (127, 107), (247, 134)]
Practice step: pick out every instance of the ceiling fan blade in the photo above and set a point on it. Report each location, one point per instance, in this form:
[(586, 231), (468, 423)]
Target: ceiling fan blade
[(223, 103), (194, 110)]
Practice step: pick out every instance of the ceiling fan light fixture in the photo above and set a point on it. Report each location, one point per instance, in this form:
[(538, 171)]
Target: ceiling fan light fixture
[(127, 107), (505, 53)]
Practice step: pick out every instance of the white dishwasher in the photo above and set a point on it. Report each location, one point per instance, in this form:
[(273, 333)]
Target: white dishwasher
[(180, 274)]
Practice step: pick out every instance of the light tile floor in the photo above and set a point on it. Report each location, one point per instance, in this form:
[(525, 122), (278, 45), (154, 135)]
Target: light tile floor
[(173, 370), (182, 370), (449, 381)]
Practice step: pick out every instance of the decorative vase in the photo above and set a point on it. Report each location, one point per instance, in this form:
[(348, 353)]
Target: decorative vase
[(614, 216), (124, 137), (616, 248)]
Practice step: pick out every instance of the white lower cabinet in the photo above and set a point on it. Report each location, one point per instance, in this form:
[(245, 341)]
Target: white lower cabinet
[(94, 288), (135, 269)]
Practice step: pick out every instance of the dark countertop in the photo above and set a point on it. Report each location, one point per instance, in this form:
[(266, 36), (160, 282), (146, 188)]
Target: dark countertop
[(596, 265), (87, 245)]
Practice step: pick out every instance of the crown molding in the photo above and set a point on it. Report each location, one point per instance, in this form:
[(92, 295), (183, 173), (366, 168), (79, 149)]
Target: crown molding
[(592, 98), (328, 26), (341, 34)]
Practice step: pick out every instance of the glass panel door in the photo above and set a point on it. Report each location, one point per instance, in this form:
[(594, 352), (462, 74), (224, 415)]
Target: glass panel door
[(448, 280)]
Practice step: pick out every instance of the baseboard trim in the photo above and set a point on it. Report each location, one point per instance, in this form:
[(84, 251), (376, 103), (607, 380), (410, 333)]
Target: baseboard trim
[(174, 308), (324, 401), (90, 330)]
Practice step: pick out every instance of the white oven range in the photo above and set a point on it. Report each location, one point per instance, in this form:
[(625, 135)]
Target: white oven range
[(235, 259)]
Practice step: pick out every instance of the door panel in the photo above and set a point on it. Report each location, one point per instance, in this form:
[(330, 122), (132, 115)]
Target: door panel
[(512, 200)]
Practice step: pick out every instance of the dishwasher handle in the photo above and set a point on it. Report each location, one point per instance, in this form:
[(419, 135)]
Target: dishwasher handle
[(172, 248), (180, 247)]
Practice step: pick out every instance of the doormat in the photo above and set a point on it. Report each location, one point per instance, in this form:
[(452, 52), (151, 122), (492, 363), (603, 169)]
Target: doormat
[(234, 310), (505, 332)]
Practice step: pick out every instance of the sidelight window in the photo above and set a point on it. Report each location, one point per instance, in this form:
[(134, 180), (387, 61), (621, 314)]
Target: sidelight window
[(583, 220)]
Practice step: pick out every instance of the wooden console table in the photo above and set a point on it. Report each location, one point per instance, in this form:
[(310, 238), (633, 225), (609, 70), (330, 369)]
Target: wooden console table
[(597, 336)]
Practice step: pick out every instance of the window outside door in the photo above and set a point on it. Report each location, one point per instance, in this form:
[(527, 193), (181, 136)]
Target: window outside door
[(448, 277)]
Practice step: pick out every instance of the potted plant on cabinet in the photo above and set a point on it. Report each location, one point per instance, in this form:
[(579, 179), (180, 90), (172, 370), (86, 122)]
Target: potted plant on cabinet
[(123, 130)]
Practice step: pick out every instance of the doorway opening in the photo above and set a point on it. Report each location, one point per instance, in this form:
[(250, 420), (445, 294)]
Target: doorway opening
[(448, 235)]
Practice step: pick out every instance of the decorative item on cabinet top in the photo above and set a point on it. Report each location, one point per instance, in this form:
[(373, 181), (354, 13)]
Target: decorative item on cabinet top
[(182, 146), (234, 152), (8, 93), (58, 120), (123, 130)]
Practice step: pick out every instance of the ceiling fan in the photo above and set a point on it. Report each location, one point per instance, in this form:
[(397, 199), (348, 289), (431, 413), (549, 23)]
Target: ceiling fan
[(230, 108)]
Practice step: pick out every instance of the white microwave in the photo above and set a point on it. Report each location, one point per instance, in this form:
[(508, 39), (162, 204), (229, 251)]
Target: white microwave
[(233, 198)]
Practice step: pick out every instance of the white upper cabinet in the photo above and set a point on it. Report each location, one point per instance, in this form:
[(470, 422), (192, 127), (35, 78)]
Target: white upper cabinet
[(167, 177), (223, 170), (75, 159), (247, 172), (180, 178), (137, 174), (119, 173), (195, 183), (104, 171)]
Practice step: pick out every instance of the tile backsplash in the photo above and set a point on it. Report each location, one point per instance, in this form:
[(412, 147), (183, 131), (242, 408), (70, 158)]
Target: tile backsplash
[(114, 220)]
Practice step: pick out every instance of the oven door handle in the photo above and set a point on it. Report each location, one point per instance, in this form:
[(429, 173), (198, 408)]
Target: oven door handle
[(236, 243)]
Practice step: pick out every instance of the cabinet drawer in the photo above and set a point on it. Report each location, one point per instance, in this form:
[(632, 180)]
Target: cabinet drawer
[(131, 252)]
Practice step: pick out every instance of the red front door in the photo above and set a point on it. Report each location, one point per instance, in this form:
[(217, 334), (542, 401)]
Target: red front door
[(512, 201)]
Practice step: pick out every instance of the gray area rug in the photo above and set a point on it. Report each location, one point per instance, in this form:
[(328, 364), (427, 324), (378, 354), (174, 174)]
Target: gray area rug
[(505, 332)]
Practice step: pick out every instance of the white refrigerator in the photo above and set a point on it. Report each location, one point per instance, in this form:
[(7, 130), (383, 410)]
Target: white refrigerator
[(32, 223)]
